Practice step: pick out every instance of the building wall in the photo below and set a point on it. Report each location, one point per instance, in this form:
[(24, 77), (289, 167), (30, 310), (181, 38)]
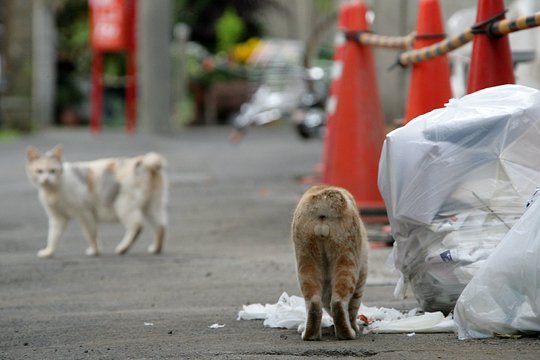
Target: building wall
[(392, 17), (43, 63), (399, 18), (15, 101), (297, 21)]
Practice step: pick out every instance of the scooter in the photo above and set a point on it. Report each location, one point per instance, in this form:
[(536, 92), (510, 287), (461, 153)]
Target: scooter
[(309, 118), (302, 104)]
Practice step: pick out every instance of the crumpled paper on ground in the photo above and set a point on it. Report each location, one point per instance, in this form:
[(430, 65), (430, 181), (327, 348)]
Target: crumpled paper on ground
[(289, 312)]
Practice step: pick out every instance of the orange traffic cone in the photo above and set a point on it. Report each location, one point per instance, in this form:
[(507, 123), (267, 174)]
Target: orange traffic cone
[(357, 131), (337, 69), (491, 60), (430, 80)]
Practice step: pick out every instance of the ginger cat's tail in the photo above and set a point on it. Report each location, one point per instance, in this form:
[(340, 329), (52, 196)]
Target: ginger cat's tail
[(322, 229), (327, 204)]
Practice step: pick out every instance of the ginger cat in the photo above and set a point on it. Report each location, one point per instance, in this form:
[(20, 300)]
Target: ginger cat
[(128, 190), (330, 243)]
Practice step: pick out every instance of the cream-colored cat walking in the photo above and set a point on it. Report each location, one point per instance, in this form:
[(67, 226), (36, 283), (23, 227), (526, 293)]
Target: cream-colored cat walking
[(128, 190), (330, 243)]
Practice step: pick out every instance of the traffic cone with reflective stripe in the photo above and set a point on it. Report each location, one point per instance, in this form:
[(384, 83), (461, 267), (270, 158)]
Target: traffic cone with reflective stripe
[(357, 131), (491, 59), (429, 88)]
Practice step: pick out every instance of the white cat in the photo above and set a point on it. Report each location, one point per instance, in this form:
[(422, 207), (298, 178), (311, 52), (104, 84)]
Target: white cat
[(128, 190)]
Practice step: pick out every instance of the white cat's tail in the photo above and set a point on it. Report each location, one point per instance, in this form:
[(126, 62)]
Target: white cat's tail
[(154, 162), (154, 165)]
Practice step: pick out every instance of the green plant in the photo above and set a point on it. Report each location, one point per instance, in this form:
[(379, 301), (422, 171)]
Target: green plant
[(202, 16), (229, 30), (9, 135)]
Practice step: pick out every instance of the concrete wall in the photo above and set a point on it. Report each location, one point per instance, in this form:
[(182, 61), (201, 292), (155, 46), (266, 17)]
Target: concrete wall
[(399, 18), (43, 63), (154, 111), (295, 22), (15, 103), (26, 22), (392, 17)]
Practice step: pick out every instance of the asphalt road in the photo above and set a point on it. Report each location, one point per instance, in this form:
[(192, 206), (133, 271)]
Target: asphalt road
[(228, 245)]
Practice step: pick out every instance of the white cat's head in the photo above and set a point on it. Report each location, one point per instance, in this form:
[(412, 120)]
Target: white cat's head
[(44, 170)]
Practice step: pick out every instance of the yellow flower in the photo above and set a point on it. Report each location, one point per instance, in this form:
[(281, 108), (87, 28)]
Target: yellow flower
[(241, 52)]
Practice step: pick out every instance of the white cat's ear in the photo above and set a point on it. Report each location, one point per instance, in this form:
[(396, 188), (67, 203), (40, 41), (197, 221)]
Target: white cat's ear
[(32, 154), (57, 152)]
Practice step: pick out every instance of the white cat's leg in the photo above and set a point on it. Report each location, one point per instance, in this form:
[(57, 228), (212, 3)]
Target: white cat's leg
[(157, 217), (57, 225), (89, 227), (133, 224)]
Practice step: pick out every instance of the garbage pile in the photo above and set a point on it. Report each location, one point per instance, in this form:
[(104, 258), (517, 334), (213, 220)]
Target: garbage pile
[(503, 297), (290, 313), (454, 182)]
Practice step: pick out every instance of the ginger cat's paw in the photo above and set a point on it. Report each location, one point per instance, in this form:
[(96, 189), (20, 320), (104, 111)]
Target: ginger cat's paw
[(315, 336)]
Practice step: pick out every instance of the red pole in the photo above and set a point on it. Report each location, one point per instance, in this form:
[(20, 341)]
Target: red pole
[(131, 75), (491, 59), (358, 121), (97, 92), (430, 80)]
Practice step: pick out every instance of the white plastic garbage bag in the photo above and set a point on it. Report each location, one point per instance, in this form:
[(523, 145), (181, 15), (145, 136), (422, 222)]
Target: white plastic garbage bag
[(454, 181), (503, 297)]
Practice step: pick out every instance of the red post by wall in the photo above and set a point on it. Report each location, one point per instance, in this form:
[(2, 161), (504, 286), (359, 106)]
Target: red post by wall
[(112, 29), (131, 75), (96, 92)]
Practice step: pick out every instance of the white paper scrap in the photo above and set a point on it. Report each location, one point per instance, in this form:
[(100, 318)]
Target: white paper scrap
[(216, 326), (290, 313)]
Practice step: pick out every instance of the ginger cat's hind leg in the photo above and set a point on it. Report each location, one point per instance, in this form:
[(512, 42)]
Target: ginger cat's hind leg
[(314, 319), (354, 306), (309, 274)]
